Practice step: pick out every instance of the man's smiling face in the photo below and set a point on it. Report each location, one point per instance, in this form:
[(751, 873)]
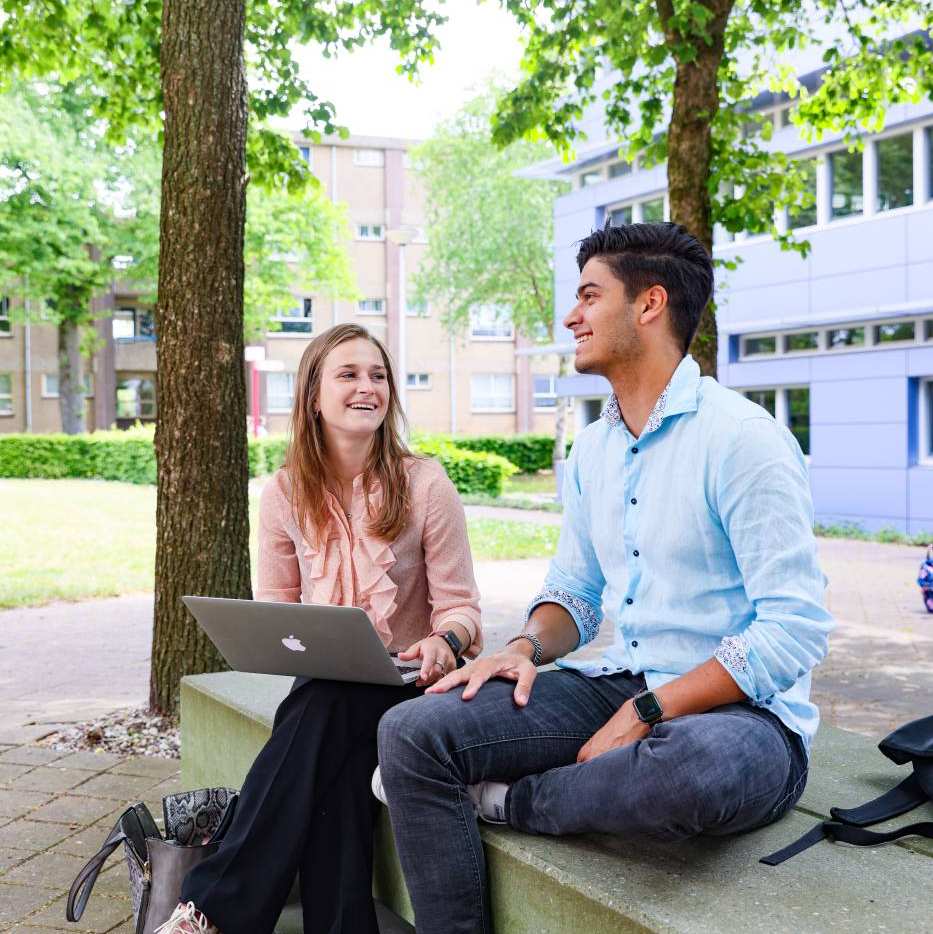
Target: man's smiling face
[(602, 321)]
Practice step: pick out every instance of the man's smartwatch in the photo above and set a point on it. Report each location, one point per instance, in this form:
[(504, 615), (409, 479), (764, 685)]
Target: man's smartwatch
[(456, 646), (648, 707)]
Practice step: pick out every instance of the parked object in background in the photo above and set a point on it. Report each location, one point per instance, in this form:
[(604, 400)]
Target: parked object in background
[(925, 579)]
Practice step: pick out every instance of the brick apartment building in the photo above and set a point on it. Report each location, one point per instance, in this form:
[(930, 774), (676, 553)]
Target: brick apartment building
[(474, 384)]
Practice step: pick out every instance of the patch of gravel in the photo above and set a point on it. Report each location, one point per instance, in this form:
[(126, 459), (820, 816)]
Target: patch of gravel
[(126, 732)]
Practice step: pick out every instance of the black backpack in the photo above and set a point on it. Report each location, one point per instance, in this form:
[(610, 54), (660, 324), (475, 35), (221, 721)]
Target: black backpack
[(913, 743)]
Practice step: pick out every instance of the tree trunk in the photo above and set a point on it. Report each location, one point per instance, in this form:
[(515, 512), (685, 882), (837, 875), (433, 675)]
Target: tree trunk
[(202, 536), (70, 377), (689, 143), (560, 416)]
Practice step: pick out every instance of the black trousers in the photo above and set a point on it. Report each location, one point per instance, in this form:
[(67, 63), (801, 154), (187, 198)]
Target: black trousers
[(306, 808)]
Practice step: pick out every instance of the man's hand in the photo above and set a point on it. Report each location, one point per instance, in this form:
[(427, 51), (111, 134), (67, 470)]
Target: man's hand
[(511, 663), (436, 659), (621, 729)]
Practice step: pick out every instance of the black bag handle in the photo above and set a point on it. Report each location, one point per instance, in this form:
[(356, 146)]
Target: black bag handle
[(83, 884)]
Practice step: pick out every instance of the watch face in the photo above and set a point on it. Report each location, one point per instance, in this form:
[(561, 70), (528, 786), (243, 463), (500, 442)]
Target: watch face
[(647, 707)]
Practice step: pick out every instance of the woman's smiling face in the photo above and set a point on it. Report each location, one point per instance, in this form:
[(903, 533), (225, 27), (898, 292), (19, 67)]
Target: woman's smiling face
[(354, 394)]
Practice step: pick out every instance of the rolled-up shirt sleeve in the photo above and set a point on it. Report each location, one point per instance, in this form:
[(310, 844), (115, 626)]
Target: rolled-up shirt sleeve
[(575, 579), (764, 504)]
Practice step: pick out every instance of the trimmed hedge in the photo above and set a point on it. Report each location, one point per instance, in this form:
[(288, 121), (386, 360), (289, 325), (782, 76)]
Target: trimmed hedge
[(530, 453), (129, 456)]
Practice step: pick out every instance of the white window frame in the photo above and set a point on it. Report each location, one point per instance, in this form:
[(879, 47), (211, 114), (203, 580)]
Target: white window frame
[(5, 316), (371, 232), (598, 173), (278, 409), (46, 392), (781, 408), (413, 310), (820, 341), (376, 313), (876, 168), (306, 307), (369, 157), (139, 401), (485, 409), (499, 318), (417, 382), (6, 398), (925, 414), (551, 394), (637, 207), (306, 153)]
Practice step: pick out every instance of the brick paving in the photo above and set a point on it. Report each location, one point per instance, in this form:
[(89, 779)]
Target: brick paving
[(55, 810)]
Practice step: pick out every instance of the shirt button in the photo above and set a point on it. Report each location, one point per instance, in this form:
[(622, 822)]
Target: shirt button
[(635, 552), (629, 601), (635, 450), (634, 643), (768, 701), (634, 501), (605, 669)]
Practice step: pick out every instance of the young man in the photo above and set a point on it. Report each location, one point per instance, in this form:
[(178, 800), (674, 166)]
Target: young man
[(687, 518)]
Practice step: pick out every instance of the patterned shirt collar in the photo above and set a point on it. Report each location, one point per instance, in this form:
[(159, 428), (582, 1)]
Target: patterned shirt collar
[(680, 395)]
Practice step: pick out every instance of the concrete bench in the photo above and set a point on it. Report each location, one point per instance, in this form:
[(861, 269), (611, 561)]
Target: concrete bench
[(601, 884)]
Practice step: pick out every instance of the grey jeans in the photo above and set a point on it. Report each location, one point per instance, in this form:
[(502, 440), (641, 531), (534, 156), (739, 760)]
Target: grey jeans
[(726, 771)]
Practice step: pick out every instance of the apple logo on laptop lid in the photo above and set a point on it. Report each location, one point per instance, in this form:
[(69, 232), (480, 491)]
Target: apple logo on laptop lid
[(293, 644)]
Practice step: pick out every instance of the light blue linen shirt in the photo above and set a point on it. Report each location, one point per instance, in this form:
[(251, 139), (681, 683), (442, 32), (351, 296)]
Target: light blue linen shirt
[(696, 541)]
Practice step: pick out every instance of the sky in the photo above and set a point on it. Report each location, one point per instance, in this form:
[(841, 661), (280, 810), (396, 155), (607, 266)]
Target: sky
[(372, 100)]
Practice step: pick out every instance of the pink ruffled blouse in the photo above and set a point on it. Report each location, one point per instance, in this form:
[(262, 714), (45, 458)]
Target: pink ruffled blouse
[(408, 588)]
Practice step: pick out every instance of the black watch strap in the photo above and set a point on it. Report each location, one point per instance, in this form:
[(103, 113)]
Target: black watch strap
[(456, 646)]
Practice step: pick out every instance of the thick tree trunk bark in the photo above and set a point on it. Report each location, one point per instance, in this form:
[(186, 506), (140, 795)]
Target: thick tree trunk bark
[(202, 538), (689, 145), (70, 377)]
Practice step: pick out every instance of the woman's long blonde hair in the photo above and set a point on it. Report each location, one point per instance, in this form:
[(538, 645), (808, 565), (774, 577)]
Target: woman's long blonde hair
[(306, 460)]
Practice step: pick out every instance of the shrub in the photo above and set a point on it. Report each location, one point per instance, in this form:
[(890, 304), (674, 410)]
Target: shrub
[(470, 471), (530, 453)]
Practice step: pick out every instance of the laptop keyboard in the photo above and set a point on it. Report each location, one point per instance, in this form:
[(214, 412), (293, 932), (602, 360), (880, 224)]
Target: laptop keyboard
[(405, 670)]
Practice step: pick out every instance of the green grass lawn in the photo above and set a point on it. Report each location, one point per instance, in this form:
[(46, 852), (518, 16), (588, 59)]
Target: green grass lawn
[(74, 539), (541, 482)]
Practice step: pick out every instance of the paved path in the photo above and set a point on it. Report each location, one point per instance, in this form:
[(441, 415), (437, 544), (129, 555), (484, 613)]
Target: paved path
[(67, 663)]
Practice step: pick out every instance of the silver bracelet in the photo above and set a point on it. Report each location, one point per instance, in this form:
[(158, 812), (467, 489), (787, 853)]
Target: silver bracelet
[(538, 654)]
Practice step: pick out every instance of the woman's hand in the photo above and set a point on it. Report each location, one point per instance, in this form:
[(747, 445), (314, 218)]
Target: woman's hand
[(622, 728), (437, 659), (509, 663)]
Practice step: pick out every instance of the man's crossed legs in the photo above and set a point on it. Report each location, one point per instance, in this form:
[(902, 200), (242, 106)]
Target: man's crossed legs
[(729, 770)]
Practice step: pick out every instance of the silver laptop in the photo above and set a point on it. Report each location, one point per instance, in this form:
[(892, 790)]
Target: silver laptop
[(336, 643)]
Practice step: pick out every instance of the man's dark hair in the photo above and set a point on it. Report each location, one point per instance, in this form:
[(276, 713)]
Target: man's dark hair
[(642, 255)]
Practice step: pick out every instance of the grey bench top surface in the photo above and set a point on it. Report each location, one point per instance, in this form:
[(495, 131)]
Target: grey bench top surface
[(684, 887)]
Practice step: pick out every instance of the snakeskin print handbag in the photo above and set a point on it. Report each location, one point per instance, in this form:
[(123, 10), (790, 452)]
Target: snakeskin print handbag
[(195, 822)]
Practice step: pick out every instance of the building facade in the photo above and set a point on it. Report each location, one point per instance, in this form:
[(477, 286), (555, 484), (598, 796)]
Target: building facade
[(839, 345), (472, 384)]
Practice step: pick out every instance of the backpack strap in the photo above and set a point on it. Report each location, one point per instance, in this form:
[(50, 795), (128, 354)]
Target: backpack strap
[(899, 800), (83, 884)]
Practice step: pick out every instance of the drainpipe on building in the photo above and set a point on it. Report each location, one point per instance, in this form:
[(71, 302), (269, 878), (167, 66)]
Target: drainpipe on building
[(333, 198), (453, 388), (27, 361)]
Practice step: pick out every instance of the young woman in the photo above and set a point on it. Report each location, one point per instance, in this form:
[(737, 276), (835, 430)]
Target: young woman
[(354, 519)]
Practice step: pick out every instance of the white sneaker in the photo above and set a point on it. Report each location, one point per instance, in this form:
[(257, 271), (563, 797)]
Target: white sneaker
[(186, 919), (488, 798)]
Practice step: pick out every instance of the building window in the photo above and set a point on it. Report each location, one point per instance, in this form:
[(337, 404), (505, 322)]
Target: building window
[(928, 330), (418, 380), (845, 337), (6, 394), (805, 215), (759, 346), (373, 158), (845, 172), (133, 324), (652, 212), (766, 398), (370, 232), (306, 157), (783, 117), (545, 392), (297, 320), (491, 323), (894, 332), (798, 416), (492, 392), (593, 177), (621, 216), (416, 309), (136, 398), (280, 392), (929, 149), (371, 306), (926, 421), (50, 386), (618, 169), (895, 172), (805, 340), (6, 329)]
